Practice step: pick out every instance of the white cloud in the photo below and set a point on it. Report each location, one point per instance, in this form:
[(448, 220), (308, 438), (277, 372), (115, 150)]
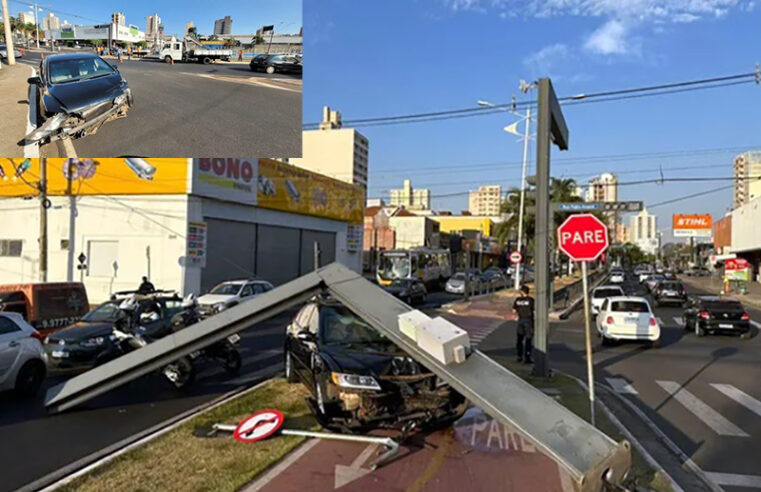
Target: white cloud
[(541, 61), (609, 39), (685, 18)]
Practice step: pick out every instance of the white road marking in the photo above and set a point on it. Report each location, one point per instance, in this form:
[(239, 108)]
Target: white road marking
[(736, 480), (660, 321), (708, 415), (678, 321), (756, 324), (281, 466), (346, 474), (740, 397), (621, 385)]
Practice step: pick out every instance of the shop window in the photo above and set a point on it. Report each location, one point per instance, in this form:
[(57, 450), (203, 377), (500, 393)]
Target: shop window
[(10, 247)]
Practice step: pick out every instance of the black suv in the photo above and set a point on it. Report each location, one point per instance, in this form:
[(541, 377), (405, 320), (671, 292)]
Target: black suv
[(358, 378), (669, 291), (411, 291), (90, 341), (275, 63), (712, 314)]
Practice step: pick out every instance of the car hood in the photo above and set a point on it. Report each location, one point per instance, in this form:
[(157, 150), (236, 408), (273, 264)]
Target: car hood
[(82, 330), (76, 96), (455, 282), (211, 299), (365, 361), (394, 289)]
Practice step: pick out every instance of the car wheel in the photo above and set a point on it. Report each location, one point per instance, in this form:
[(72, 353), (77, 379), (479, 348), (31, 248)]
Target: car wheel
[(180, 373), (606, 341), (206, 60), (30, 377), (686, 324), (167, 59), (698, 330), (270, 69), (655, 343), (290, 375)]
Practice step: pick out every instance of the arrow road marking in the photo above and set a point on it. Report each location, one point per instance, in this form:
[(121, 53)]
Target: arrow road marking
[(708, 415), (621, 385), (740, 397), (678, 321), (347, 474)]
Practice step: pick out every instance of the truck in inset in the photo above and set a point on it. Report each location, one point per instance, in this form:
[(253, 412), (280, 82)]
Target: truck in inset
[(188, 50)]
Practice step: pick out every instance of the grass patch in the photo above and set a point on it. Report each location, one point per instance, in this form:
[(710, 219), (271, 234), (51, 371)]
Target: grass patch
[(178, 460)]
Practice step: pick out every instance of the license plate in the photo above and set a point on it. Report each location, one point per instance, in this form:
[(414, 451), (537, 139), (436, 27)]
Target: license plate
[(60, 354), (725, 325), (234, 338), (631, 320)]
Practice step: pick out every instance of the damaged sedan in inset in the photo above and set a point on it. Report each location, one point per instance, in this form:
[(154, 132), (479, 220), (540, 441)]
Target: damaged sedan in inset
[(76, 94), (358, 378)]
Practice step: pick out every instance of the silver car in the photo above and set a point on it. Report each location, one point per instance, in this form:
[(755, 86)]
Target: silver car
[(4, 52), (456, 284), (22, 359)]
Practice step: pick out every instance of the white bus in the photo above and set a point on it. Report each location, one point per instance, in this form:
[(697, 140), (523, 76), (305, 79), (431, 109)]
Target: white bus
[(427, 264)]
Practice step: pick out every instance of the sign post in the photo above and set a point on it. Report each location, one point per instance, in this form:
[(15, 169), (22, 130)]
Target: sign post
[(583, 237)]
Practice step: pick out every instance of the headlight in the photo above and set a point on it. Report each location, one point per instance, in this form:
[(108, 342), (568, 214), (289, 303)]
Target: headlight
[(220, 306), (354, 381), (52, 125), (93, 342)]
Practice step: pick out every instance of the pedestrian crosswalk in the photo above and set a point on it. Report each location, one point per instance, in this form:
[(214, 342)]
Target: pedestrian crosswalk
[(697, 405)]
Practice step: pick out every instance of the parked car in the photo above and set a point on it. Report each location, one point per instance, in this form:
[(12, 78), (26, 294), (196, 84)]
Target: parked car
[(46, 306), (357, 377), (411, 291), (76, 94), (456, 283), (627, 318), (653, 280), (4, 52), (712, 314), (669, 291), (89, 342), (617, 276), (493, 276), (22, 360), (276, 63), (643, 276), (602, 292), (230, 293)]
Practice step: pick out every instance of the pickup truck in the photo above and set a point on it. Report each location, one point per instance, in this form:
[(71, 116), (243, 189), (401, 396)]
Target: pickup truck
[(188, 50)]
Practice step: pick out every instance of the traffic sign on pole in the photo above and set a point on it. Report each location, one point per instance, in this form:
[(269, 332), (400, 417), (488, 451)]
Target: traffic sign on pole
[(583, 237), (516, 257), (260, 425)]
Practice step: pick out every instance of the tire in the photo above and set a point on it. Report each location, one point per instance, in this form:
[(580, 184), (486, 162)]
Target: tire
[(270, 69), (206, 60), (233, 362), (686, 324), (607, 342), (655, 343), (185, 373), (167, 59), (290, 375), (29, 378)]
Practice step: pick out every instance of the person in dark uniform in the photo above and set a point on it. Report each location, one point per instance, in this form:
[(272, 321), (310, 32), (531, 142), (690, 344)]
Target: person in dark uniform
[(146, 287), (524, 307)]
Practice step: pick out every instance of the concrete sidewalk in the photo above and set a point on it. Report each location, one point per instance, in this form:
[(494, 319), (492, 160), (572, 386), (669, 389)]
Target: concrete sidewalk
[(14, 106)]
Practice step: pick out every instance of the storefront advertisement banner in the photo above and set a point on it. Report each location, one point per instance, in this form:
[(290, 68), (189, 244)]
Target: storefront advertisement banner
[(292, 189), (132, 176), (692, 225), (196, 250), (229, 179)]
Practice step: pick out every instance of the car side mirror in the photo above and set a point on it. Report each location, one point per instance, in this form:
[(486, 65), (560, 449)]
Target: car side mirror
[(305, 336), (34, 80)]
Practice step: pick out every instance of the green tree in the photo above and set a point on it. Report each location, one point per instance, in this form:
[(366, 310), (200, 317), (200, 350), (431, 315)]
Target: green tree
[(258, 39), (144, 44), (95, 42)]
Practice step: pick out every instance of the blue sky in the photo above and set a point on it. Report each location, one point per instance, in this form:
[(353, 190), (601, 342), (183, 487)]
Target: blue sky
[(404, 56), (248, 15)]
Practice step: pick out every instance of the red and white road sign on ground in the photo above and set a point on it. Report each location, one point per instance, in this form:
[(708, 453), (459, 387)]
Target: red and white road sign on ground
[(583, 237), (516, 257), (260, 425)]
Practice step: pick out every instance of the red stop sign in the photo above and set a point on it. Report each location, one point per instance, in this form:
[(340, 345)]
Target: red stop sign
[(583, 237)]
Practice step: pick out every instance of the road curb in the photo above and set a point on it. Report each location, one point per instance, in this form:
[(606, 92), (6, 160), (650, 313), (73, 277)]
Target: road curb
[(84, 465)]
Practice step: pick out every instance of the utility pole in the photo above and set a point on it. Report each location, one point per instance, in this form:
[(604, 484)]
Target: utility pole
[(36, 26), (8, 39), (72, 219), (316, 255), (44, 204), (523, 195)]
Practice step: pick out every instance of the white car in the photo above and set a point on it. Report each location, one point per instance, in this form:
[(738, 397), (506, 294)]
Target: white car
[(627, 318), (599, 294), (643, 276), (653, 280), (617, 276), (22, 358), (228, 294)]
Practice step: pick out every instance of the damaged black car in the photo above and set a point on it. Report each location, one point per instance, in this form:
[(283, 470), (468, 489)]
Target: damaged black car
[(358, 378), (76, 94)]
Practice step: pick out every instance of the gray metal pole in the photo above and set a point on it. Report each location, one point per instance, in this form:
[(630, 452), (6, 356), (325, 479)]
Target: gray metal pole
[(316, 255), (467, 271), (541, 254), (43, 220), (72, 222), (588, 334)]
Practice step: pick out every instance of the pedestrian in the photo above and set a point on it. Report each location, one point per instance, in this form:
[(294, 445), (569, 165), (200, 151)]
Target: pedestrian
[(119, 53), (524, 308), (146, 287), (240, 55), (129, 53)]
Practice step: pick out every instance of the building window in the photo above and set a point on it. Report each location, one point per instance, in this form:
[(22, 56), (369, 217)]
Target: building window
[(102, 257), (10, 247)]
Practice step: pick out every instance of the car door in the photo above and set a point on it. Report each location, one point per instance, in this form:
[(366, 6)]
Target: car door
[(602, 315), (247, 292), (10, 345), (301, 352)]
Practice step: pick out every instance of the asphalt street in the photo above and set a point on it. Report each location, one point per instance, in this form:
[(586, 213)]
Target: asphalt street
[(36, 444), (703, 393), (192, 110)]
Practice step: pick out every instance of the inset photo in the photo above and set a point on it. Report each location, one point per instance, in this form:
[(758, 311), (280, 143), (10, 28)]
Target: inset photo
[(175, 79)]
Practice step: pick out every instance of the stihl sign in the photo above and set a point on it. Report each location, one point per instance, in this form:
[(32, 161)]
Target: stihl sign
[(583, 237), (692, 225)]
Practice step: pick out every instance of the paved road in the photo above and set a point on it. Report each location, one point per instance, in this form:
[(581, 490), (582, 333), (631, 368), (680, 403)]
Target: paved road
[(56, 441), (704, 393), (192, 110)]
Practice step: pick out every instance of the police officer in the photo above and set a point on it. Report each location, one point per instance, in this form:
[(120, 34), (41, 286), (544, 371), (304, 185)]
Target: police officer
[(524, 307)]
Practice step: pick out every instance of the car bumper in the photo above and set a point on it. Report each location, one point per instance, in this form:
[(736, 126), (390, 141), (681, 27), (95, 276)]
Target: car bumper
[(616, 333), (676, 299), (455, 290), (69, 357), (737, 326)]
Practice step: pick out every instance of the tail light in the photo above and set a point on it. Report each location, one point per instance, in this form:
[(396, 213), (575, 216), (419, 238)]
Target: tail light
[(609, 320), (704, 314), (39, 336), (745, 317), (653, 322)]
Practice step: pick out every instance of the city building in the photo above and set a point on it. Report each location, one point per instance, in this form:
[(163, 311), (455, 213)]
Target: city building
[(152, 24), (722, 235), (51, 22), (746, 235), (187, 27), (406, 196), (26, 17), (746, 165), (375, 202), (118, 18), (377, 235), (332, 150), (485, 201), (622, 233), (272, 43), (461, 224), (603, 188), (223, 26), (105, 32), (196, 223), (643, 232), (413, 231)]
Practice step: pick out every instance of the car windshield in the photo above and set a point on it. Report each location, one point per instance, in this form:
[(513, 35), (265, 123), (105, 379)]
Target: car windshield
[(671, 285), (108, 311), (601, 293), (394, 267), (74, 69), (226, 289), (339, 325), (629, 306), (723, 305), (458, 276)]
